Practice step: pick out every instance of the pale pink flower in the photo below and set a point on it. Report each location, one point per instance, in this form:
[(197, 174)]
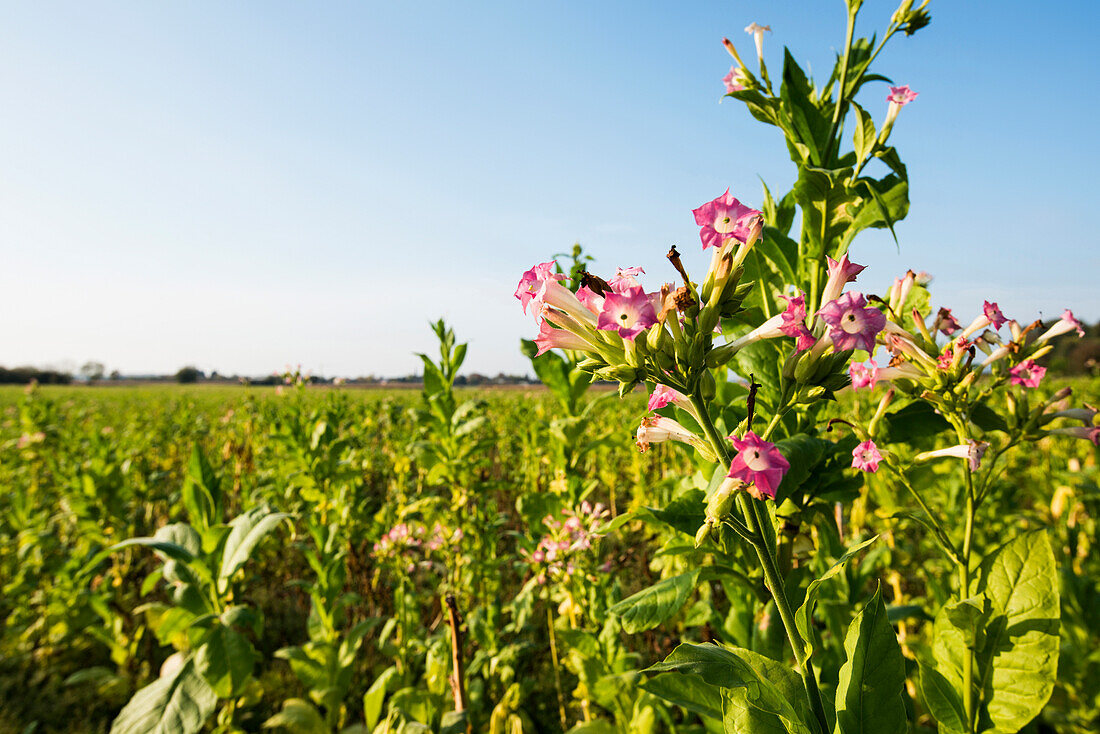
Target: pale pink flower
[(852, 324), (735, 81), (662, 396), (759, 463), (946, 323), (657, 429), (625, 278), (552, 295), (1064, 325), (551, 337), (757, 32), (992, 312), (972, 451), (1027, 373), (866, 457), (1086, 415), (794, 321), (1089, 433), (899, 292), (862, 375), (841, 272), (901, 96), (590, 299), (531, 282), (726, 218), (629, 313)]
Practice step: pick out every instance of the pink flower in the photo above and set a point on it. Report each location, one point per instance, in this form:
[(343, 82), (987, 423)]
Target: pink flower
[(1027, 373), (794, 321), (551, 337), (866, 457), (993, 313), (1089, 433), (552, 295), (946, 323), (841, 272), (531, 282), (1064, 325), (656, 429), (901, 96), (629, 313), (900, 290), (662, 396), (947, 359), (852, 325), (862, 376), (972, 451), (735, 81), (726, 218), (758, 462), (625, 278), (591, 300)]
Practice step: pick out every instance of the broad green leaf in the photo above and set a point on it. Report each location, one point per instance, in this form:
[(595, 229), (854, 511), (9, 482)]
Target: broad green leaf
[(653, 605), (943, 700), (915, 421), (870, 692), (865, 134), (298, 717), (171, 550), (201, 492), (687, 690), (225, 659), (376, 695), (454, 722), (180, 534), (246, 532), (781, 707), (177, 703), (803, 616)]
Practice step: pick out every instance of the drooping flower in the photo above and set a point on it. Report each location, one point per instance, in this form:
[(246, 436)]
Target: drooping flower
[(551, 337), (656, 429), (726, 218), (993, 313), (794, 321), (1086, 415), (841, 272), (1064, 325), (1027, 373), (972, 451), (1089, 433), (946, 323), (758, 463), (862, 375), (736, 80), (852, 324), (531, 282), (901, 96), (662, 395), (629, 313), (866, 457)]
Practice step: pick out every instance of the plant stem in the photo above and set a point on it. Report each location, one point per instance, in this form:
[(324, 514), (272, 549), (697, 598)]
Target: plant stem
[(964, 592), (834, 125), (751, 510), (554, 659)]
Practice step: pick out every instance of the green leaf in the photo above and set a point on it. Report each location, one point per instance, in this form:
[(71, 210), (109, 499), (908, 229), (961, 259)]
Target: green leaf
[(687, 690), (685, 513), (225, 659), (915, 421), (870, 692), (943, 700), (177, 703), (653, 605), (803, 616), (246, 532), (454, 722), (865, 134), (781, 707), (201, 492), (298, 717), (376, 695)]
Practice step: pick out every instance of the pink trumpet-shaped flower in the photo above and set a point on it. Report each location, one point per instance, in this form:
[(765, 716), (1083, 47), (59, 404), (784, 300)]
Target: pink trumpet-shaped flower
[(866, 457), (553, 295), (862, 375), (852, 324), (1089, 433), (655, 429), (901, 96), (551, 337), (735, 81), (972, 451), (532, 280), (1086, 415), (662, 395), (993, 313), (726, 218), (758, 462), (1027, 373), (946, 323), (1064, 325), (626, 278), (794, 322), (591, 300), (629, 313), (841, 272)]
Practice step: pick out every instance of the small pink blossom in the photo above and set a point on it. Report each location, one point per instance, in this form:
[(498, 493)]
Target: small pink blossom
[(794, 322), (862, 375), (866, 457), (947, 359), (656, 429), (531, 282), (993, 313), (901, 96), (735, 81), (662, 396), (629, 313), (1089, 433), (1066, 324), (852, 324), (759, 463), (625, 278), (551, 337), (591, 300), (726, 218), (1027, 373), (841, 272), (946, 323)]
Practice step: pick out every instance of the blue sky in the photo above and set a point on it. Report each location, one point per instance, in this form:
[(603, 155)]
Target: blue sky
[(242, 186)]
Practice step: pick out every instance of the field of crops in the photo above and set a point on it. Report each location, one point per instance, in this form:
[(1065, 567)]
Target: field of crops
[(354, 518)]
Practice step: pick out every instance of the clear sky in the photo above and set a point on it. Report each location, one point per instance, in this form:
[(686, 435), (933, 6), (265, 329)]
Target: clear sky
[(242, 186)]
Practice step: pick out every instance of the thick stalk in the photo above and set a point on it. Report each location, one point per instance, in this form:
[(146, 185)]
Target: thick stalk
[(754, 519), (829, 144), (554, 660), (964, 592)]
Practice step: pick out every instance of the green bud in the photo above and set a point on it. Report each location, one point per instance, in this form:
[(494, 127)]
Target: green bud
[(719, 504), (806, 367), (719, 356), (588, 364), (810, 394), (708, 318), (702, 534), (707, 387), (625, 387), (791, 363)]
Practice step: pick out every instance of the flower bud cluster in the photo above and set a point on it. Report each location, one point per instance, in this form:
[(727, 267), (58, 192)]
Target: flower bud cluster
[(562, 551), (412, 545)]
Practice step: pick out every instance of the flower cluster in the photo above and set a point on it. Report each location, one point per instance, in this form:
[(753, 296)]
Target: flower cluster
[(411, 545), (559, 552)]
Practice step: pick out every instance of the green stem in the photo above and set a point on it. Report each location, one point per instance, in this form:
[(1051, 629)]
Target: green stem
[(963, 434), (752, 511), (835, 124)]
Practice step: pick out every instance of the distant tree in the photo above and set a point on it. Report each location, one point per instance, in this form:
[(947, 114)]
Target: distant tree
[(115, 375), (189, 374), (92, 371)]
